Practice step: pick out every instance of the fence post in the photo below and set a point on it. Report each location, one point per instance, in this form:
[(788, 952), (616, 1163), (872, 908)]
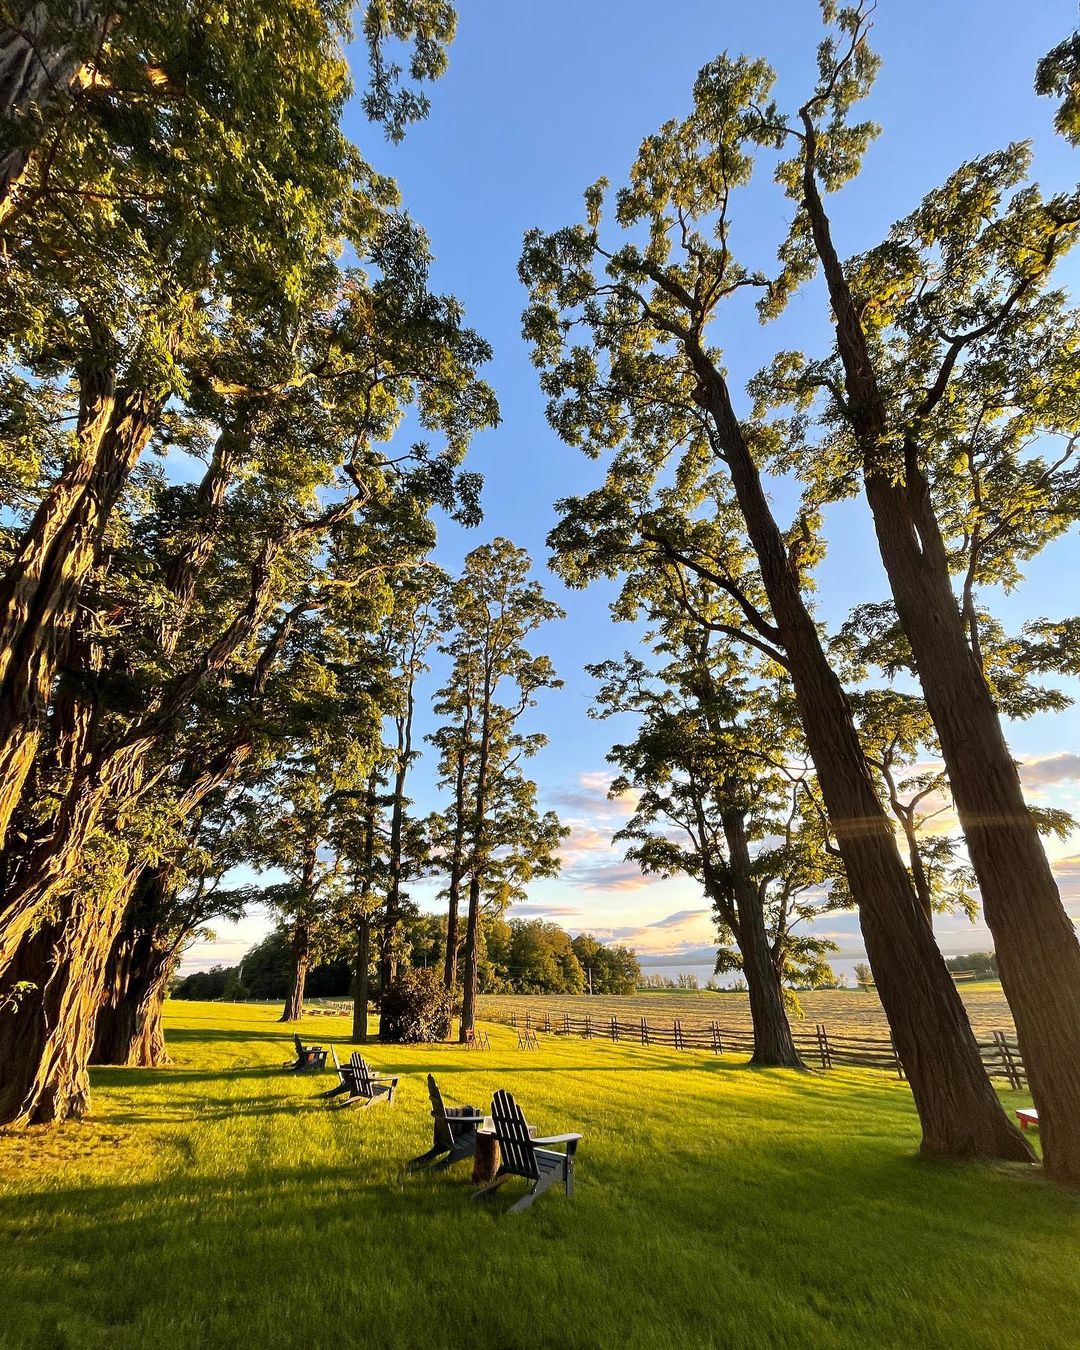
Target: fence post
[(1005, 1050), (528, 1021), (716, 1042), (566, 1024), (614, 1029), (823, 1046), (547, 1022), (899, 1066), (588, 1027), (678, 1034), (513, 1020), (644, 1032)]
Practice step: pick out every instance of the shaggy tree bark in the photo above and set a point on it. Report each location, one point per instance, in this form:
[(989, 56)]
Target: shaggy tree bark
[(41, 56), (1036, 944), (40, 591), (129, 1029), (46, 1035), (53, 979)]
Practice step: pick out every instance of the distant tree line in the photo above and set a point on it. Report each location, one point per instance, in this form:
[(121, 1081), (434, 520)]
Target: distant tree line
[(983, 965), (522, 956)]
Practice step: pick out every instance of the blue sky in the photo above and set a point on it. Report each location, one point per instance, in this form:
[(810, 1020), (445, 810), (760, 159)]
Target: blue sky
[(539, 101)]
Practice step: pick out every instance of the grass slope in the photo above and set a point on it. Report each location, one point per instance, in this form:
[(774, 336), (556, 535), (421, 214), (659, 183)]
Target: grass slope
[(217, 1204)]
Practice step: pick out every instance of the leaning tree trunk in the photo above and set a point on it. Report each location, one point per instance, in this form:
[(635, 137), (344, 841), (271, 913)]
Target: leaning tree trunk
[(298, 969), (47, 1033), (360, 981), (39, 592), (40, 57), (959, 1110), (129, 1022), (1036, 944), (773, 1043), (129, 1029), (1037, 950), (55, 860)]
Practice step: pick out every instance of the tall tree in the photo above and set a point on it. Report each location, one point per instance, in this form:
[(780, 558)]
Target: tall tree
[(644, 380), (709, 770), (951, 350), (411, 628), (491, 609)]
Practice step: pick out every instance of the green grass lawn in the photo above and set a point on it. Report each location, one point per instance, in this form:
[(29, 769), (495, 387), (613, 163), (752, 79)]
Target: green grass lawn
[(217, 1203)]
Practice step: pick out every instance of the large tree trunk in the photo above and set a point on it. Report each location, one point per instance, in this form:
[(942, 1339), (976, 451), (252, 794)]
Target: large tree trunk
[(40, 591), (959, 1110), (453, 934), (40, 57), (476, 870), (773, 1043), (46, 1034), (50, 866), (129, 1029), (301, 960), (360, 981), (1036, 944), (1037, 949), (472, 956)]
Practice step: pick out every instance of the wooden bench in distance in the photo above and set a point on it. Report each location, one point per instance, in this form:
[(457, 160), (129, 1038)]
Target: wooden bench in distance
[(454, 1131), (524, 1156), (1027, 1115)]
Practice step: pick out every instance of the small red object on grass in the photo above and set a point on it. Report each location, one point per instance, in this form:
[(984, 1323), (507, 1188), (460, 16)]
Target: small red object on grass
[(1027, 1115)]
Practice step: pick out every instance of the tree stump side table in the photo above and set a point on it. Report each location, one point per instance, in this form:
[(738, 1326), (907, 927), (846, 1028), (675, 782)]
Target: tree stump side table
[(487, 1158)]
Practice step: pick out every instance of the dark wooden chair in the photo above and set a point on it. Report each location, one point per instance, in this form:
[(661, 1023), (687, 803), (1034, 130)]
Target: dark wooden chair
[(477, 1040), (307, 1057), (365, 1086), (524, 1156), (454, 1131), (345, 1077)]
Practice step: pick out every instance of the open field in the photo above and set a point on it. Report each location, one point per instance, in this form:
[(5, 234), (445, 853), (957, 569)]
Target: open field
[(842, 1010), (217, 1203)]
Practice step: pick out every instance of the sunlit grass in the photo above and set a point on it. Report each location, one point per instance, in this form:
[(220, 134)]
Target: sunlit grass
[(218, 1203)]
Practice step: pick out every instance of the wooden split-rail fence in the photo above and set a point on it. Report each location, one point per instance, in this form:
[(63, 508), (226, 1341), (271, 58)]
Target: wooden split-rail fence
[(860, 1049)]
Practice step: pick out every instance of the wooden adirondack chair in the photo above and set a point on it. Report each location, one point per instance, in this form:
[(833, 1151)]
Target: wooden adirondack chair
[(524, 1156), (365, 1086), (345, 1077), (527, 1040), (454, 1131), (307, 1057), (477, 1040)]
